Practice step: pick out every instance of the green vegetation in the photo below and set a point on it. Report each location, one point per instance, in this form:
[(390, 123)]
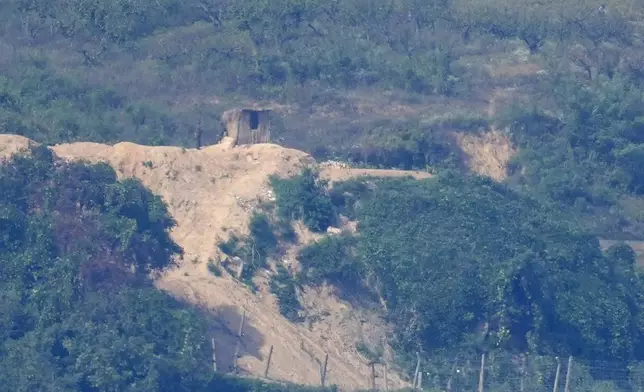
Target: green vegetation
[(76, 306), (377, 84), (214, 268), (331, 259), (588, 157), (466, 263), (248, 385), (460, 262), (285, 289), (304, 197), (266, 239)]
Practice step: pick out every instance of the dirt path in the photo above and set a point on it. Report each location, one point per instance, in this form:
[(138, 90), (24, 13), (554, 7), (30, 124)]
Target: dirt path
[(334, 174)]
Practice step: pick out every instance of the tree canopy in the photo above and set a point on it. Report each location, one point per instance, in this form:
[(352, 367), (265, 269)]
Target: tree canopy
[(470, 263)]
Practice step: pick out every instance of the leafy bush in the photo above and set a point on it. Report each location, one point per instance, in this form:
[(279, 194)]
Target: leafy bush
[(261, 232), (77, 310), (331, 259), (346, 194), (402, 144), (231, 246), (284, 288), (233, 384), (214, 268), (304, 197), (262, 243)]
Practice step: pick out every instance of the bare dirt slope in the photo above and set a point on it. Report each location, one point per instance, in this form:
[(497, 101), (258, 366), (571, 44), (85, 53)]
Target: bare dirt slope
[(211, 192), (11, 144), (488, 153)]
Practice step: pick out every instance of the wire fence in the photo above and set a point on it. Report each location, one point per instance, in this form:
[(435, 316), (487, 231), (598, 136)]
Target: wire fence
[(502, 372), (492, 372)]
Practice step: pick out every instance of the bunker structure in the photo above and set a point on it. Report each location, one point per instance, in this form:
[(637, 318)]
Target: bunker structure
[(247, 126)]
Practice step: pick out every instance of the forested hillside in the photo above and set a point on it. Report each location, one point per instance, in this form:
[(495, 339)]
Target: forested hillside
[(465, 266), (458, 263), (378, 83)]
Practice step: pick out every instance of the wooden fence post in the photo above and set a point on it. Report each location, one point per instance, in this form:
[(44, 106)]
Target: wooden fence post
[(386, 377), (214, 356), (568, 375), (482, 373), (415, 383), (557, 374), (373, 376), (323, 369), (268, 362), (523, 371), (239, 336), (451, 376)]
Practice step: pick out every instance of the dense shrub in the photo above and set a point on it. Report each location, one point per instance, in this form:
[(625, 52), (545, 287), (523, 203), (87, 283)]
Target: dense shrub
[(304, 197), (331, 259), (284, 287), (77, 310)]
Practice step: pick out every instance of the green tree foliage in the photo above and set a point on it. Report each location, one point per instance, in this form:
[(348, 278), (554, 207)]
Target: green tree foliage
[(304, 197), (331, 259), (589, 158), (124, 65), (407, 144), (77, 310), (37, 103), (470, 263), (146, 71)]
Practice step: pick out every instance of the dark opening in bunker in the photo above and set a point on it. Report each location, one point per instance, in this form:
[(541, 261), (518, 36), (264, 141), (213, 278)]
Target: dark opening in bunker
[(254, 120)]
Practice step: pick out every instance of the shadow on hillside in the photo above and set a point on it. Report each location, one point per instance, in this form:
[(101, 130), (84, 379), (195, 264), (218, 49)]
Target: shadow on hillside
[(225, 322), (359, 297)]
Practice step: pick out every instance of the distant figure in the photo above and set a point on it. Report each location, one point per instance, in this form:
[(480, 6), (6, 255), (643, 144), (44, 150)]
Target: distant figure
[(198, 133), (602, 9)]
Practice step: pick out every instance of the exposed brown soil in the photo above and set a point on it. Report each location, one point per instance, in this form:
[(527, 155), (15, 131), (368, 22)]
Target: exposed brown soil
[(334, 174), (488, 153)]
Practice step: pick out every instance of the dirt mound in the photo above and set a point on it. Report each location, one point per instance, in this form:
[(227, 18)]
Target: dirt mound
[(209, 191), (12, 144), (486, 153), (212, 192)]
